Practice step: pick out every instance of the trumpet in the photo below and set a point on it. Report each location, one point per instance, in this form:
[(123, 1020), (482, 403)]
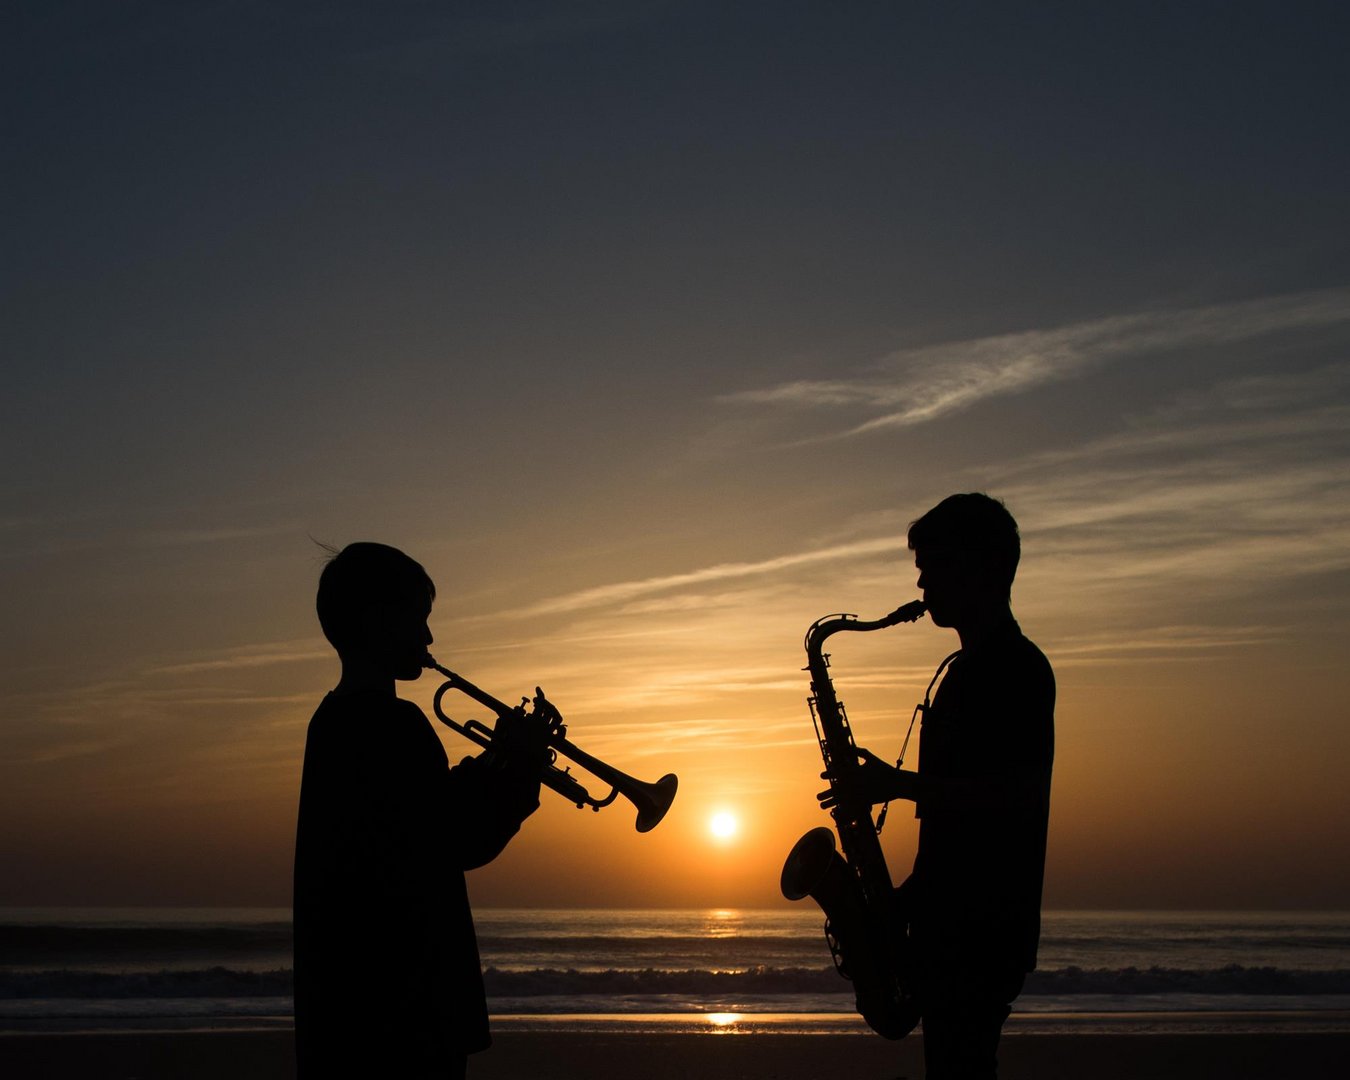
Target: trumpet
[(652, 800)]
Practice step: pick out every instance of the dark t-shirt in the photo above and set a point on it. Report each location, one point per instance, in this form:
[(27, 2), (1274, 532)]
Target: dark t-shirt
[(387, 975), (975, 895)]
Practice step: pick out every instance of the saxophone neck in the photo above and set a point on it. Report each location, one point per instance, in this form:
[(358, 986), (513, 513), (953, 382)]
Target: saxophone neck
[(832, 624)]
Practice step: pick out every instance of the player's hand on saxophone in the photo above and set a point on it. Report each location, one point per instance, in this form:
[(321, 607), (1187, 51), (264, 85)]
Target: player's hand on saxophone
[(866, 783)]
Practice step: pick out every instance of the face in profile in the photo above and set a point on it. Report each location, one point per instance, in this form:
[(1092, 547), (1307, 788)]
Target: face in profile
[(946, 584), (960, 587), (400, 637)]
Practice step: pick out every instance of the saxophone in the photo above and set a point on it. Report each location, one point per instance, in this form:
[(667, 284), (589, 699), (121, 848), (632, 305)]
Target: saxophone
[(864, 932)]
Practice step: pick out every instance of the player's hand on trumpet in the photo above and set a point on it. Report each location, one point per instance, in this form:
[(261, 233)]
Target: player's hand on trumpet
[(525, 733)]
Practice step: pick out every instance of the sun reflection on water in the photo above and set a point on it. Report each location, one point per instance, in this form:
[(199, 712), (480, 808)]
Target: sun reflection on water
[(723, 922), (722, 1023)]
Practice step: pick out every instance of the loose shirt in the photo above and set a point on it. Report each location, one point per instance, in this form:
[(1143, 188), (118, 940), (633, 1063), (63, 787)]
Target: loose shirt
[(975, 893), (387, 973)]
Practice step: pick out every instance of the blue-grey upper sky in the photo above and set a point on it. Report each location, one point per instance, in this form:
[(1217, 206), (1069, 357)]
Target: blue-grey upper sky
[(647, 327)]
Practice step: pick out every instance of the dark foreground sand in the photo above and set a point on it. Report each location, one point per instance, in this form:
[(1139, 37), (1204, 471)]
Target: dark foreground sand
[(267, 1055)]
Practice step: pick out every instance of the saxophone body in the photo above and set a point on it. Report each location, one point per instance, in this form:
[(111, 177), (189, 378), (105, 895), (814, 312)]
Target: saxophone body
[(865, 933)]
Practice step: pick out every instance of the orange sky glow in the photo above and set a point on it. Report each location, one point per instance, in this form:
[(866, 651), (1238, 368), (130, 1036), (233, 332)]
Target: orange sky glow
[(648, 334)]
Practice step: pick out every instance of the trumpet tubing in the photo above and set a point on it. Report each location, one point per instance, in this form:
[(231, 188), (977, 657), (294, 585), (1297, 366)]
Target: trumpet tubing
[(652, 800)]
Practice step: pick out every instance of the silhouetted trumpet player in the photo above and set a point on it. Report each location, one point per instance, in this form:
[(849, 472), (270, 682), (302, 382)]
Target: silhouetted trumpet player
[(387, 975)]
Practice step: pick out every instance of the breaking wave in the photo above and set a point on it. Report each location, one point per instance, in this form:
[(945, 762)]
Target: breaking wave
[(757, 982)]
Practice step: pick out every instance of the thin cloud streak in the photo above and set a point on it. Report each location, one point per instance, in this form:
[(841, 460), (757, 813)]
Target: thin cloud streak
[(1235, 482), (916, 386), (1240, 486), (1167, 643), (249, 657), (627, 590), (1232, 503), (188, 537)]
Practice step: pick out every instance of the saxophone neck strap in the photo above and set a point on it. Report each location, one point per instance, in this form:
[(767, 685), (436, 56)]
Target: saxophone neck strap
[(920, 709), (928, 694)]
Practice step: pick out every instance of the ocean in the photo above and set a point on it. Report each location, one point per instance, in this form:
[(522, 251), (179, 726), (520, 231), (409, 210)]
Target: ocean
[(65, 969)]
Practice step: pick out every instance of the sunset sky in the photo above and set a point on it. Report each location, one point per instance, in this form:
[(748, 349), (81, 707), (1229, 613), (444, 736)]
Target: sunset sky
[(648, 328)]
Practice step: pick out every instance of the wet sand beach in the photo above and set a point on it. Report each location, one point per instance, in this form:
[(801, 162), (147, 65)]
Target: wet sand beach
[(268, 1055)]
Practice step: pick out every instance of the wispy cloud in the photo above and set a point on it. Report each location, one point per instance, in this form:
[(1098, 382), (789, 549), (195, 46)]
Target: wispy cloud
[(1146, 544), (249, 656), (179, 537), (1207, 526), (622, 591), (1180, 643), (916, 386)]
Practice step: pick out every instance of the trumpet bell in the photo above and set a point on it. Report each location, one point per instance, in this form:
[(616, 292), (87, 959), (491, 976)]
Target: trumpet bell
[(652, 800)]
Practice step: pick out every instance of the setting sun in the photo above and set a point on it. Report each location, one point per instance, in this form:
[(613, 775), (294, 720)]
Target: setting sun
[(723, 825)]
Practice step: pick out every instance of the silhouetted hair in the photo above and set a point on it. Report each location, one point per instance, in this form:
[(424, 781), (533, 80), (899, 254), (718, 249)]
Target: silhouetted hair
[(976, 525), (361, 577)]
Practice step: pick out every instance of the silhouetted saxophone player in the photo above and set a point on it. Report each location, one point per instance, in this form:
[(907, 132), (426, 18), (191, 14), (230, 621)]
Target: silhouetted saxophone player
[(981, 792)]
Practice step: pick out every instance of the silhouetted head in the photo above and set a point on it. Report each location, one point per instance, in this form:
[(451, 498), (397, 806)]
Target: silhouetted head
[(373, 605), (966, 549)]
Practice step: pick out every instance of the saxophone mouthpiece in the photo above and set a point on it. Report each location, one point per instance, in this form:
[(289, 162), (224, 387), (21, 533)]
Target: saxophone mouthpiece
[(911, 612)]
